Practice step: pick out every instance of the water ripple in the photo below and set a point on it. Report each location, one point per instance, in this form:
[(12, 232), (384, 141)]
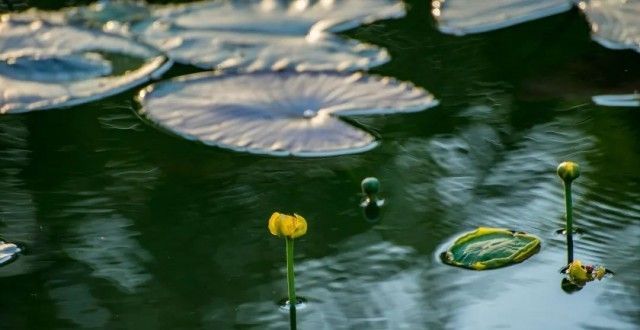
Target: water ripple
[(380, 276), (17, 211)]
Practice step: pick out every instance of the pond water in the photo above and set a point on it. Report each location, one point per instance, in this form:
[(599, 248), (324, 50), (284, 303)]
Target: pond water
[(125, 226)]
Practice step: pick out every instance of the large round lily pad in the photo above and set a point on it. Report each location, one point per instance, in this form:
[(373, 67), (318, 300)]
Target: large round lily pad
[(257, 51), (278, 113), (461, 17), (279, 17), (486, 248), (45, 64), (259, 35)]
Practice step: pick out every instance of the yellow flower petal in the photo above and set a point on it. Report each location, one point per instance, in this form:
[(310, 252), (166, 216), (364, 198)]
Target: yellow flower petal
[(600, 272), (287, 225), (274, 224), (577, 272), (300, 226)]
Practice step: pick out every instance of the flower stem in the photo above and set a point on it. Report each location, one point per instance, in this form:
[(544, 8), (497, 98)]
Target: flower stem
[(291, 283), (569, 209)]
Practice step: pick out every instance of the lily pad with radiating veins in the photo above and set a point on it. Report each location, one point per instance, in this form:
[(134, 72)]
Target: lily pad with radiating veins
[(267, 34), (614, 24), (46, 65), (279, 17), (462, 17), (278, 113), (487, 248), (258, 52)]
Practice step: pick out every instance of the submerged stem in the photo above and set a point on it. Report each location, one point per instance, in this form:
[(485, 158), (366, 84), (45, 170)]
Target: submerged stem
[(291, 283), (569, 229)]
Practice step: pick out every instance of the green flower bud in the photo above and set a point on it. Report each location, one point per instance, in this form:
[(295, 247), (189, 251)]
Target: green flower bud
[(370, 186), (568, 171)]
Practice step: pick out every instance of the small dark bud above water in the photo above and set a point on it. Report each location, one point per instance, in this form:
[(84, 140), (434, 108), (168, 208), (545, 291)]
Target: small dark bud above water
[(371, 203), (370, 186), (568, 171)]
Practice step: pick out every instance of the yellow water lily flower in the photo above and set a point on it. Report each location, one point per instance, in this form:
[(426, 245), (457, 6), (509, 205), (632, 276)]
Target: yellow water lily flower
[(284, 225), (599, 272), (577, 272), (580, 274)]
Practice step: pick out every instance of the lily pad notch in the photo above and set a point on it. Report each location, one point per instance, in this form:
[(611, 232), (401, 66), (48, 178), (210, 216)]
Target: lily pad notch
[(488, 248), (278, 113)]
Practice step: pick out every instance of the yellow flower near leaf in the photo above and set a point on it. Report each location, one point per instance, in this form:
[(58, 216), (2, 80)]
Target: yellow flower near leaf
[(291, 226), (599, 272), (577, 272), (580, 273)]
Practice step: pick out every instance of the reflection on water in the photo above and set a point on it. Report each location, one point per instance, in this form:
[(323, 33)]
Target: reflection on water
[(108, 246), (75, 303), (127, 227), (17, 212), (368, 284)]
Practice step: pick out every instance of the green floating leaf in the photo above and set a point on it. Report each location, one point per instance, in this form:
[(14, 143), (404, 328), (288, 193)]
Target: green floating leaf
[(486, 248)]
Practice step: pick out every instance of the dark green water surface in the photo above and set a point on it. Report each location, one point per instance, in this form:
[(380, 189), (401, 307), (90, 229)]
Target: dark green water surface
[(127, 227)]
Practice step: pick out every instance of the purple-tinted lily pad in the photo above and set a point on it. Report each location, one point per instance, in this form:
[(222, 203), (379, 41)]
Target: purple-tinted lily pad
[(278, 113), (462, 17), (46, 65), (268, 35)]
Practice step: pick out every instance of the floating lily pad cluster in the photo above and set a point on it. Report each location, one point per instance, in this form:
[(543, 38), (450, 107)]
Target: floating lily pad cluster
[(268, 35), (261, 98), (268, 112), (259, 110), (44, 64), (615, 24)]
